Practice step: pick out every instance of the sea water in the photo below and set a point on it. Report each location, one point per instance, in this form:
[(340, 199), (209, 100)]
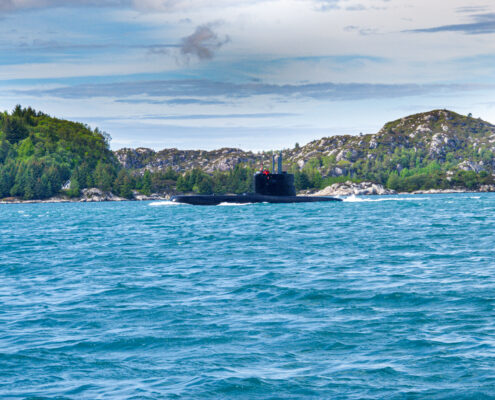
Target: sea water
[(371, 298)]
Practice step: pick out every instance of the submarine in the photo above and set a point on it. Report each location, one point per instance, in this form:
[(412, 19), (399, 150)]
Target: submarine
[(268, 188)]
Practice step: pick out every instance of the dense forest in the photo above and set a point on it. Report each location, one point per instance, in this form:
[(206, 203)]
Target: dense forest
[(42, 156)]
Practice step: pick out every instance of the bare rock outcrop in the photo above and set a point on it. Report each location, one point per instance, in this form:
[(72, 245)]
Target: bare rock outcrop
[(95, 195), (468, 165), (351, 188)]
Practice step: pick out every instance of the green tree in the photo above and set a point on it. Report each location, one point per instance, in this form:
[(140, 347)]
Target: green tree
[(25, 149), (393, 181), (4, 150), (301, 180), (182, 184), (75, 187), (14, 130), (146, 183), (123, 184), (104, 176), (29, 190), (204, 185)]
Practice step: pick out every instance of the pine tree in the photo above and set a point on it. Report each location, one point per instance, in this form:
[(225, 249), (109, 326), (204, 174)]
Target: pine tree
[(14, 130), (103, 176), (123, 184), (29, 188), (75, 188), (393, 181), (146, 183)]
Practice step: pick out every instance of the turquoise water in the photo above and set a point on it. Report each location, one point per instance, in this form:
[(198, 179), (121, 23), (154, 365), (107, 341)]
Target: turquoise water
[(391, 297)]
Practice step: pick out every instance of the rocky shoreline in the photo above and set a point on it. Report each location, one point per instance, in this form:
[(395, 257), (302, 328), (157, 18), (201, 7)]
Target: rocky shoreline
[(352, 188), (91, 195), (482, 189), (348, 188)]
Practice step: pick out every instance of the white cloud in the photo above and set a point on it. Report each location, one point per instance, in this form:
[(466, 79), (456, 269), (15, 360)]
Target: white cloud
[(277, 43)]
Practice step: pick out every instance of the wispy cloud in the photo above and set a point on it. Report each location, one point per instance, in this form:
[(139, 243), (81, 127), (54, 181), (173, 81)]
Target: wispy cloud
[(56, 45), (471, 9), (356, 7), (205, 88), (172, 102), (218, 116), (482, 24), (325, 5), (361, 31)]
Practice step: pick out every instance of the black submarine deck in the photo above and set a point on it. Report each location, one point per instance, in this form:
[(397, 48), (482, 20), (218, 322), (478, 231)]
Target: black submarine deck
[(213, 200)]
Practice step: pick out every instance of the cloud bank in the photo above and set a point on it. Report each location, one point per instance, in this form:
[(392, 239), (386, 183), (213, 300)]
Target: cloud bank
[(483, 24), (199, 89)]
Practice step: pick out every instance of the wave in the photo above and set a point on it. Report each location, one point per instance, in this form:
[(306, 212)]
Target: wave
[(165, 203), (173, 203), (354, 199), (234, 204)]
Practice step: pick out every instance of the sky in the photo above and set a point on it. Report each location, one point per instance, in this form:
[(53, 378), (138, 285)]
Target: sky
[(252, 74)]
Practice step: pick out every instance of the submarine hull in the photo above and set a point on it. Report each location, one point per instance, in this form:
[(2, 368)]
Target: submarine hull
[(213, 200)]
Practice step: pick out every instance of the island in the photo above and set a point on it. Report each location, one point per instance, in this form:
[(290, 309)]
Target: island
[(43, 158)]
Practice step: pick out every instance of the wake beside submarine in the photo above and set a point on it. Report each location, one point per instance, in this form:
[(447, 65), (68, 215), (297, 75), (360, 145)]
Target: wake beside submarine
[(268, 188)]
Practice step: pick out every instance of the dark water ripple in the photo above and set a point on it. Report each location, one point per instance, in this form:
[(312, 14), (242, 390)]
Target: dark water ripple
[(358, 300)]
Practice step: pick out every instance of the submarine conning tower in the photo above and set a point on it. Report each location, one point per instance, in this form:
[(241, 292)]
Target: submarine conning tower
[(271, 184)]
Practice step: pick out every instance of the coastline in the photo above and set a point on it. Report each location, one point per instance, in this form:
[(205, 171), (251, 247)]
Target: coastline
[(76, 200), (350, 188), (161, 197), (450, 191), (92, 195)]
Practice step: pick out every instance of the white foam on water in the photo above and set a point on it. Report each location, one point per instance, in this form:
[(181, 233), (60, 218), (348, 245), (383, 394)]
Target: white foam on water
[(475, 197), (355, 199), (165, 203), (234, 204)]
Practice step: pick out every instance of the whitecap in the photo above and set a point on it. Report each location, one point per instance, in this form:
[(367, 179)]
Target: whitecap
[(234, 204), (354, 199), (165, 203)]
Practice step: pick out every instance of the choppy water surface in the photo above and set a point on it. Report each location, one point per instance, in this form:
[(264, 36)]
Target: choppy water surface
[(391, 297)]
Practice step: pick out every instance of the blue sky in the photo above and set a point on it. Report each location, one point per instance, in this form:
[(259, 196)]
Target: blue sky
[(255, 74)]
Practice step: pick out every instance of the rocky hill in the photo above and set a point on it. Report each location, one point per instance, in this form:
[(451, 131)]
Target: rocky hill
[(44, 157), (224, 159), (452, 140)]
